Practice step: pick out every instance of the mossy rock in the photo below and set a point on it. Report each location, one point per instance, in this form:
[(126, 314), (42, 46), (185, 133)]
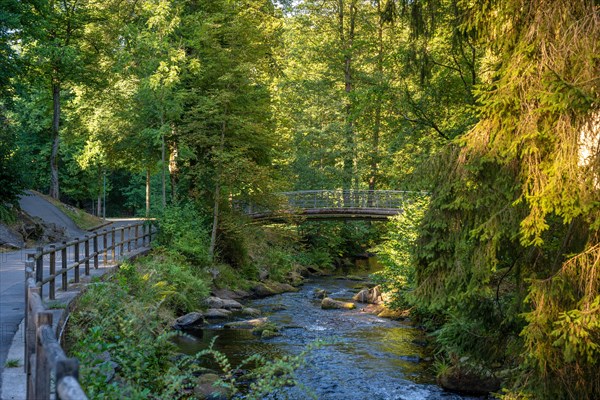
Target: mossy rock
[(330, 304), (467, 381)]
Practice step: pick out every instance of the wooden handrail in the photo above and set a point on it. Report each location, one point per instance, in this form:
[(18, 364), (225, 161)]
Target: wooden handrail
[(44, 357)]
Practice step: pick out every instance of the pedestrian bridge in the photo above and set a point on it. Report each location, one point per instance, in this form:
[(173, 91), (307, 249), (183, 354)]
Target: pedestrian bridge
[(333, 204)]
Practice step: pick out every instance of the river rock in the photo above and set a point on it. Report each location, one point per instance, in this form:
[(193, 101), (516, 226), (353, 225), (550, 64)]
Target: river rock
[(213, 302), (248, 324), (393, 314), (320, 293), (370, 296), (262, 289), (191, 321), (236, 294), (464, 381), (268, 334), (208, 389), (295, 278), (214, 313), (253, 312), (263, 275), (230, 304), (330, 304)]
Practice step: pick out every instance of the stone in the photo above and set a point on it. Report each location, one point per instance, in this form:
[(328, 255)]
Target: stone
[(263, 275), (295, 278), (393, 314), (230, 304), (191, 321), (213, 302), (268, 334), (330, 304), (236, 294), (208, 389), (320, 293), (106, 366), (248, 324), (253, 312), (262, 289), (216, 313), (218, 303), (461, 380), (370, 296)]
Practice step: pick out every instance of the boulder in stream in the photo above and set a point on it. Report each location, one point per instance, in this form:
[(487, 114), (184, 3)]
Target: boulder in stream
[(218, 303), (370, 296), (252, 312), (207, 388), (330, 304), (191, 321), (320, 293), (248, 324), (464, 380), (262, 289), (216, 313)]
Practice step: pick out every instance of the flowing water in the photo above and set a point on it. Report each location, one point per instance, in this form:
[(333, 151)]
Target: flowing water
[(366, 357)]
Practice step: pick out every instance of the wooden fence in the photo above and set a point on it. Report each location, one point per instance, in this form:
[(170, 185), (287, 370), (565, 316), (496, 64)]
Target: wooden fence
[(44, 357)]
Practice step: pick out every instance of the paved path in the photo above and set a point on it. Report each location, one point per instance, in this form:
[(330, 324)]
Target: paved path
[(12, 271)]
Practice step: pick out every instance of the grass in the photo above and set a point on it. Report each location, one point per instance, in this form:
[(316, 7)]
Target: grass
[(12, 363), (81, 218), (56, 305)]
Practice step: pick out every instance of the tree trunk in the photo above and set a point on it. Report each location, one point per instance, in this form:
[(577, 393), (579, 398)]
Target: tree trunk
[(99, 203), (147, 193), (163, 177), (173, 169), (346, 44), (163, 164), (213, 236), (377, 127), (54, 185)]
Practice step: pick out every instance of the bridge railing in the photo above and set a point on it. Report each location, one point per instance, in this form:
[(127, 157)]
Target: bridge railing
[(319, 199), (392, 200), (45, 360)]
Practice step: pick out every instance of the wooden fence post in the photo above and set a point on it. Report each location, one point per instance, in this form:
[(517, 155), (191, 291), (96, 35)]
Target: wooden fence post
[(63, 255), (76, 256), (95, 251), (52, 293), (39, 266), (122, 242), (113, 247), (42, 367), (128, 238), (86, 249), (105, 239), (137, 228)]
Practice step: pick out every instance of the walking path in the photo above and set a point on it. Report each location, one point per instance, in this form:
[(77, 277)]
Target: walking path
[(12, 272)]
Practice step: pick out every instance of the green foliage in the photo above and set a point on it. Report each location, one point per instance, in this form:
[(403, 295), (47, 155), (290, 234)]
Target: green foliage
[(397, 251), (11, 168), (128, 317), (182, 230)]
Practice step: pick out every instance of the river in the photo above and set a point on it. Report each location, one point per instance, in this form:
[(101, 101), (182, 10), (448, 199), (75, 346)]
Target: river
[(367, 357)]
